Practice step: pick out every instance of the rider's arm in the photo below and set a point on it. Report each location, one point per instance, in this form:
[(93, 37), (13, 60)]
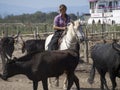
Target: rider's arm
[(59, 28)]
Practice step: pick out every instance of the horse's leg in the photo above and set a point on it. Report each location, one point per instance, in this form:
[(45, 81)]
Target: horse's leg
[(45, 84), (57, 81), (35, 85), (92, 74), (49, 82), (65, 83)]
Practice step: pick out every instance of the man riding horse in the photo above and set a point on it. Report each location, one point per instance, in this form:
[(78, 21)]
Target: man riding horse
[(60, 24)]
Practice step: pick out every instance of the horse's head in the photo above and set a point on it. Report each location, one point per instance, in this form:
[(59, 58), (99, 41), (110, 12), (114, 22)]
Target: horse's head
[(75, 29)]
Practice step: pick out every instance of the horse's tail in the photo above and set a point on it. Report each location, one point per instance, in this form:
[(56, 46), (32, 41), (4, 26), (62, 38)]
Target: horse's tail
[(47, 41), (92, 75)]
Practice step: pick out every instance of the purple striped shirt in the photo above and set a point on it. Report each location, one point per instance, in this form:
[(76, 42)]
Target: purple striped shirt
[(60, 22)]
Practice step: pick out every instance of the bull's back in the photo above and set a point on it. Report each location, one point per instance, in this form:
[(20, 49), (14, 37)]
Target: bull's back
[(55, 63), (102, 55)]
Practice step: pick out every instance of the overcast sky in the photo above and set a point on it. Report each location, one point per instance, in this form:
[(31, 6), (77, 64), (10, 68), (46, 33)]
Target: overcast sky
[(17, 7), (44, 3)]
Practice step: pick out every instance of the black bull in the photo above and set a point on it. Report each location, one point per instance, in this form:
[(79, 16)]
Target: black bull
[(39, 66), (6, 48), (33, 45), (106, 58)]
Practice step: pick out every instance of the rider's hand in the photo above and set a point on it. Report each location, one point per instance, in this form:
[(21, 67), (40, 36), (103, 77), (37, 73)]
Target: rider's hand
[(64, 28)]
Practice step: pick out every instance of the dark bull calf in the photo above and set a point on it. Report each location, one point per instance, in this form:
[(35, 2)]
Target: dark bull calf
[(33, 45), (39, 66), (6, 48), (106, 58)]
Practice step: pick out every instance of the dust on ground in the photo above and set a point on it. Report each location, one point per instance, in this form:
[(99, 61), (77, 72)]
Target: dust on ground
[(21, 82)]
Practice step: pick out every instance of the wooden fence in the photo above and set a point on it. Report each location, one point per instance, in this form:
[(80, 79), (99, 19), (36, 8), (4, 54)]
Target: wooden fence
[(97, 33), (94, 33)]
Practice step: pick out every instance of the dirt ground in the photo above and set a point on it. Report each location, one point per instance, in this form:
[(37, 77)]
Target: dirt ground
[(21, 82)]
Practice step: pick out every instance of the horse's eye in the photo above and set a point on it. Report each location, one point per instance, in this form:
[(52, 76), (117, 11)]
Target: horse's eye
[(68, 24)]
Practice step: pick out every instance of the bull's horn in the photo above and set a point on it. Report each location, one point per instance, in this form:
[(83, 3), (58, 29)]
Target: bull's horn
[(23, 42), (17, 35)]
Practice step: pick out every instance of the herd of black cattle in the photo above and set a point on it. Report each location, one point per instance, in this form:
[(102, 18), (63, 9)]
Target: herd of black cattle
[(38, 64)]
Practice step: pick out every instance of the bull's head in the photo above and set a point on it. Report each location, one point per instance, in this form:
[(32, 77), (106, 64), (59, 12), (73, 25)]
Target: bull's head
[(8, 45), (8, 70)]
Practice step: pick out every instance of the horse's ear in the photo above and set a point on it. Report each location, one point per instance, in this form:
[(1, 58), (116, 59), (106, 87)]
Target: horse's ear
[(72, 22), (79, 20)]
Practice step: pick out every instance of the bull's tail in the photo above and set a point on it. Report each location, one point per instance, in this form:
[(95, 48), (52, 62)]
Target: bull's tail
[(92, 75)]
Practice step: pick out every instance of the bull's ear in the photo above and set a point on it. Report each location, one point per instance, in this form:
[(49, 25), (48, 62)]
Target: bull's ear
[(116, 46)]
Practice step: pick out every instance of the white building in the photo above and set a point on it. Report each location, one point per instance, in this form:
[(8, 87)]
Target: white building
[(104, 11)]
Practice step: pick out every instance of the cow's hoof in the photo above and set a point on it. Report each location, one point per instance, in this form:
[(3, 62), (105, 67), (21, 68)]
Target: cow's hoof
[(90, 81)]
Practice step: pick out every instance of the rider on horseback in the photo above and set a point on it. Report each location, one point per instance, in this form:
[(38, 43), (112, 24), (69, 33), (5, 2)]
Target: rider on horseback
[(60, 24)]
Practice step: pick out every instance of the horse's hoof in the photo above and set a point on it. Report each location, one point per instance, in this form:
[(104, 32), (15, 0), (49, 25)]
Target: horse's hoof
[(57, 84), (64, 86), (50, 86)]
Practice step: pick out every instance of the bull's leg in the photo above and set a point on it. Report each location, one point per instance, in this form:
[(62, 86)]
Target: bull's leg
[(70, 78), (35, 85), (76, 80), (45, 84), (102, 85), (114, 84), (103, 80)]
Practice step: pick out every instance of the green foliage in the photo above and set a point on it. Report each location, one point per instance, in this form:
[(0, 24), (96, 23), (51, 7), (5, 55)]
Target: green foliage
[(37, 17), (27, 23)]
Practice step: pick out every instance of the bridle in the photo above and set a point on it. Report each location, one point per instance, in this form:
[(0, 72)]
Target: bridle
[(76, 36)]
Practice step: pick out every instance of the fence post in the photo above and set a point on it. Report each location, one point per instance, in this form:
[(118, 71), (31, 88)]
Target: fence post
[(5, 31), (86, 46)]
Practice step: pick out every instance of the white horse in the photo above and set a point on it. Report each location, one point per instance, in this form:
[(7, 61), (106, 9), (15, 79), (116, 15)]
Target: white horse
[(74, 33)]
